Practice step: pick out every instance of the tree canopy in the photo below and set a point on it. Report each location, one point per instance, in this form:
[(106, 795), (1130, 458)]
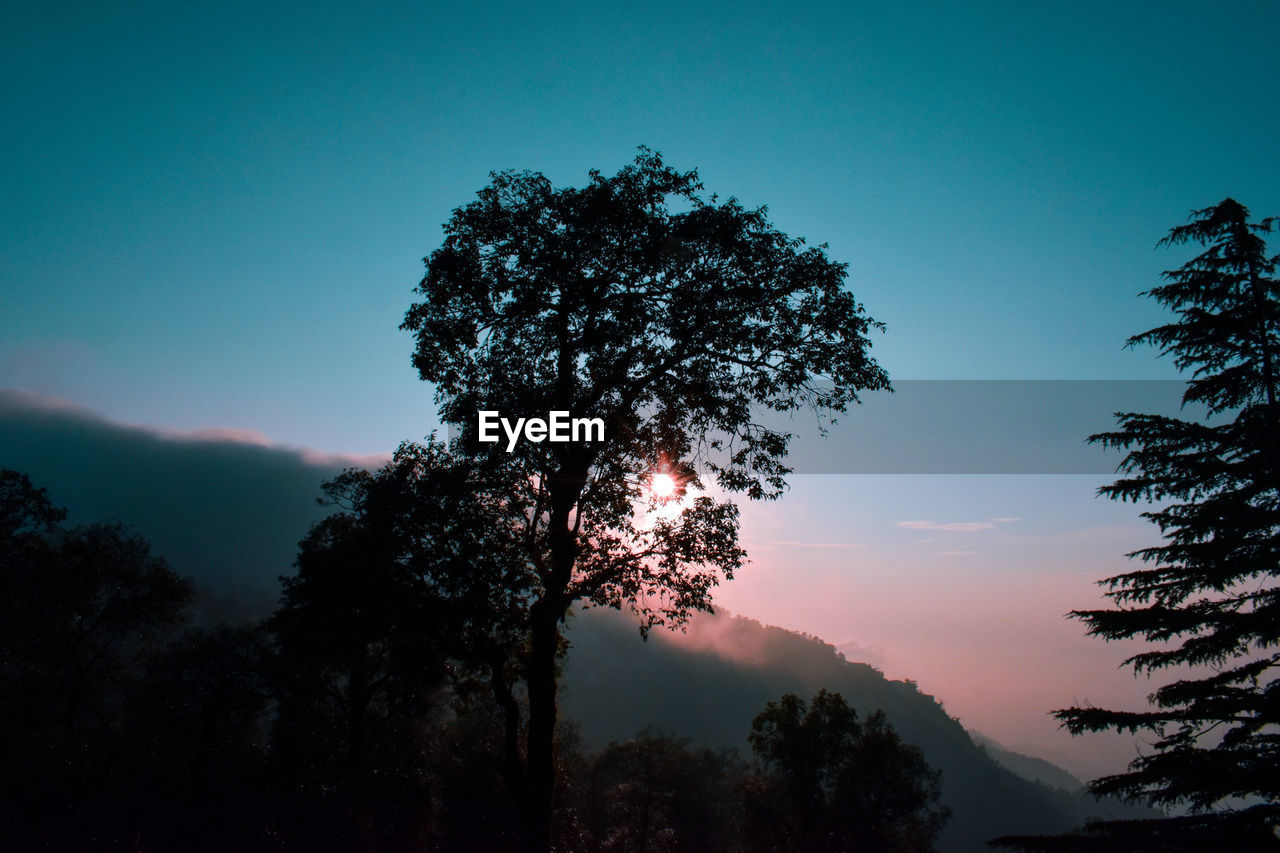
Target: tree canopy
[(835, 782), (671, 318), (413, 586)]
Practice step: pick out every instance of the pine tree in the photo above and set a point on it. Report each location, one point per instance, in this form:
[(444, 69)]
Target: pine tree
[(1208, 597)]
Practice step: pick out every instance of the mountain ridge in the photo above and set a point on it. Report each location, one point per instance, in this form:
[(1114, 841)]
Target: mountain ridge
[(708, 682)]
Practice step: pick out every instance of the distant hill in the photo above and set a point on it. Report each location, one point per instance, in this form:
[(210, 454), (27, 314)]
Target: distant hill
[(709, 683), (185, 492), (220, 507), (1028, 767)]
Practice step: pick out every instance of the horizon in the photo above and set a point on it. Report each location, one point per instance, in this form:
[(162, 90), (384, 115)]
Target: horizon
[(912, 585)]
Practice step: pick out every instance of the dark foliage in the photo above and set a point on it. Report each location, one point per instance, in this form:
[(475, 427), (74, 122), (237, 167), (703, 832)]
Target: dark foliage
[(833, 782), (197, 733), (668, 316), (1246, 834), (85, 617), (26, 513), (710, 693), (655, 792), (1207, 599), (212, 737), (82, 618), (402, 606)]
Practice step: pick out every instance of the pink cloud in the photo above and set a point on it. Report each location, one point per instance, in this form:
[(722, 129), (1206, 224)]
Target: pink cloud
[(813, 544)]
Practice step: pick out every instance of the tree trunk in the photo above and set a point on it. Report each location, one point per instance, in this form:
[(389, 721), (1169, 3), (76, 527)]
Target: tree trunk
[(511, 766), (541, 678), (544, 647)]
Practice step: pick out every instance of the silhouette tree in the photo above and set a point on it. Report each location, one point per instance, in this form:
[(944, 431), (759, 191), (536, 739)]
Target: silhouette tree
[(196, 733), (1207, 599), (655, 792), (834, 782), (405, 593), (28, 520), (665, 315), (83, 615), (90, 617), (26, 513)]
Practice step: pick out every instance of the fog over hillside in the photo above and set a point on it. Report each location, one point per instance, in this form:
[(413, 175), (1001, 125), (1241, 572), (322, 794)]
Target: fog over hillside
[(223, 506), (708, 684), (228, 509)]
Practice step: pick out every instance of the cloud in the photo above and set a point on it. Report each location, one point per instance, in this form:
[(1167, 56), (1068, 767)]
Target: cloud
[(242, 436), (873, 655), (17, 399), (815, 544), (226, 507), (958, 526), (949, 526)]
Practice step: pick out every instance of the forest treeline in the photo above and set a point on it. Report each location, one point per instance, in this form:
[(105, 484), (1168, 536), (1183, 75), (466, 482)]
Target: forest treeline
[(404, 693), (371, 711)]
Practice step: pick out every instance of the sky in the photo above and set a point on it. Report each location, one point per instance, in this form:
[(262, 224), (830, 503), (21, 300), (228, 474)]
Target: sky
[(213, 218)]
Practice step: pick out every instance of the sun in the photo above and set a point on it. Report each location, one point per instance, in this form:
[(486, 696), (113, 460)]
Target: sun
[(662, 485)]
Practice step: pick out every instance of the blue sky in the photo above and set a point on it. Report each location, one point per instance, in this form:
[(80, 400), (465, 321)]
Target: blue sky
[(214, 216)]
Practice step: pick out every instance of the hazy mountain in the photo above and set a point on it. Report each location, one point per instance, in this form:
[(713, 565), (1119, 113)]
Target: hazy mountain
[(224, 507), (708, 683), (229, 508), (1026, 766)]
